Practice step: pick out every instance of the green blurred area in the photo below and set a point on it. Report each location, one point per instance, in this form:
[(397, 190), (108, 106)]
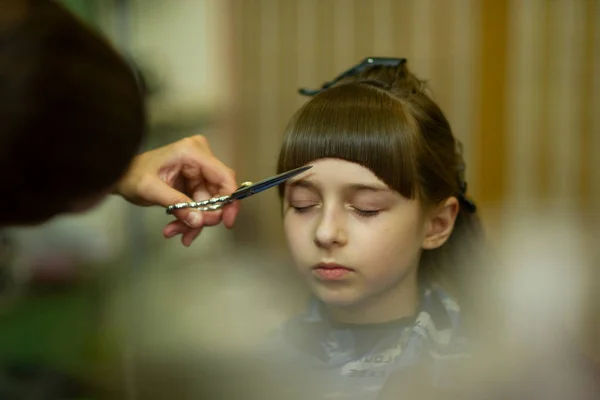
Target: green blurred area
[(57, 329), (85, 9)]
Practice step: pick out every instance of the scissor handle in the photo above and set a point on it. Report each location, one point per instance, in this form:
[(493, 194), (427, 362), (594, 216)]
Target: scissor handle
[(246, 189), (213, 204)]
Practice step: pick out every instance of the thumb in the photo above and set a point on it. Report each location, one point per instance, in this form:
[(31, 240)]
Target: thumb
[(157, 192)]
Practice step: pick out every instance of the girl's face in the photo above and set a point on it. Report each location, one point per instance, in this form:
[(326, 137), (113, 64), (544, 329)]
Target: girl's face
[(355, 241)]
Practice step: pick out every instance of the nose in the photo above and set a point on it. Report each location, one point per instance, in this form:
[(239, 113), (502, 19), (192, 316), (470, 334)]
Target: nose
[(331, 230)]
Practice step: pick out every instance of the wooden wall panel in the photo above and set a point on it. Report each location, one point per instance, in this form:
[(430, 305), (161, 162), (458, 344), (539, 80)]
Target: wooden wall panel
[(517, 80)]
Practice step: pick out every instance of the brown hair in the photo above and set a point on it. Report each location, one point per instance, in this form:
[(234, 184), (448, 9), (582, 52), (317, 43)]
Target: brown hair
[(71, 110), (382, 119)]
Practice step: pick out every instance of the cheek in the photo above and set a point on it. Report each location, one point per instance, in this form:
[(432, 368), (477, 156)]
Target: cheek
[(379, 243), (389, 246), (296, 232)]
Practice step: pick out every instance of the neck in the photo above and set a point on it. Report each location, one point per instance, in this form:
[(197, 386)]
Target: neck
[(397, 302)]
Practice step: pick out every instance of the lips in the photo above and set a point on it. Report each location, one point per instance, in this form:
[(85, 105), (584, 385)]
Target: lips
[(332, 266), (332, 271)]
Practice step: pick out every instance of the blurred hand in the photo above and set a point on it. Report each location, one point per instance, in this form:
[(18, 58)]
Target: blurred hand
[(180, 172)]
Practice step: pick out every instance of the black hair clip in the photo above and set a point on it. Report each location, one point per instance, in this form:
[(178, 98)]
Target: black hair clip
[(357, 69), (467, 203)]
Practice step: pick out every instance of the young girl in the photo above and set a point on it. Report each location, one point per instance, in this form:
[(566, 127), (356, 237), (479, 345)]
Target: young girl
[(377, 228)]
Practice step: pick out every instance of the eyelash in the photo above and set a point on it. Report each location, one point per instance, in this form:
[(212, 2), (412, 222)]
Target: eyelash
[(366, 214), (362, 213), (301, 210)]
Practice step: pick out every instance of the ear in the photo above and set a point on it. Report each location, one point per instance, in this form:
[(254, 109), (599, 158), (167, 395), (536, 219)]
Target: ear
[(440, 223)]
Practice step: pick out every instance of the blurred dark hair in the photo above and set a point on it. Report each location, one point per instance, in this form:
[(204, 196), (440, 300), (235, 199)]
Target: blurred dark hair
[(71, 109)]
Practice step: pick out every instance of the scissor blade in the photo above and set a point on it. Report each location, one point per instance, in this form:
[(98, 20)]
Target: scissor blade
[(268, 183)]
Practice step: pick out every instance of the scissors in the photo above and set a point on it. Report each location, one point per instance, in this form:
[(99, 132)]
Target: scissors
[(245, 190)]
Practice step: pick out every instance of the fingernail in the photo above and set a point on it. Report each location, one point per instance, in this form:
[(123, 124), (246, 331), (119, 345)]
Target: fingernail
[(194, 219)]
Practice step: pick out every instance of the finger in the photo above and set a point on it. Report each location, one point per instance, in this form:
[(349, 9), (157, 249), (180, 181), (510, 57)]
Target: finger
[(189, 236), (211, 169), (155, 191), (212, 218), (174, 228), (165, 195), (192, 217), (230, 213), (195, 218)]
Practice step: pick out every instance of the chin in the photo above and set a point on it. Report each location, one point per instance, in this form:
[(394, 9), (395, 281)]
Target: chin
[(339, 297)]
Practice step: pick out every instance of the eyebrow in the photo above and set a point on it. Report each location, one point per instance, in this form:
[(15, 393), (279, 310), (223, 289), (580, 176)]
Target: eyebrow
[(309, 184)]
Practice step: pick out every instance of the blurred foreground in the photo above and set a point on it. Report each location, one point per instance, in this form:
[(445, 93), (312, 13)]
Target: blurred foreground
[(194, 332)]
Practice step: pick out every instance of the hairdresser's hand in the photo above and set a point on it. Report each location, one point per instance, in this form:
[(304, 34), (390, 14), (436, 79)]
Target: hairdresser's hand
[(182, 171)]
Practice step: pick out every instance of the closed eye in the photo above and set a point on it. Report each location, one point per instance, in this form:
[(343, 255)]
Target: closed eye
[(359, 212), (366, 213), (302, 209)]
